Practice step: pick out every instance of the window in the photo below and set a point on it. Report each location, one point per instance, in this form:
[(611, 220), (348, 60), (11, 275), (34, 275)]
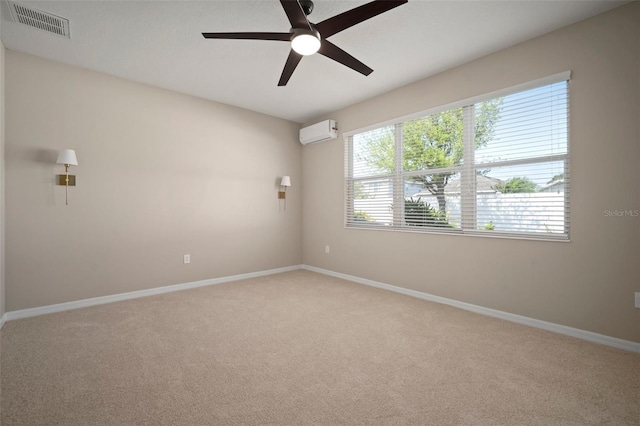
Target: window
[(496, 165)]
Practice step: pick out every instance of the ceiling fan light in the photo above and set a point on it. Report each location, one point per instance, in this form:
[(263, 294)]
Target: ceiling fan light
[(305, 43)]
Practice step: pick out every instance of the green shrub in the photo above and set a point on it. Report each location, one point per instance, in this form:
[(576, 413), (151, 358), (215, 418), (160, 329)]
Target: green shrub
[(420, 213), (362, 216), (516, 185)]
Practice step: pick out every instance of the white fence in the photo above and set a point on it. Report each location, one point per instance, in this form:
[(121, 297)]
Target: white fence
[(524, 212)]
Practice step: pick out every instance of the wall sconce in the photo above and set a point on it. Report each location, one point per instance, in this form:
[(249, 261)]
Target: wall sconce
[(68, 158), (284, 183), (282, 194)]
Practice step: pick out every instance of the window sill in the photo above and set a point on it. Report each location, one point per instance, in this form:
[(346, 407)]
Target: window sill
[(461, 233)]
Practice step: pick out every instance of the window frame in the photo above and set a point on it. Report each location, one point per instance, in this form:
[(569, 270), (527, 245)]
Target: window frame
[(466, 169)]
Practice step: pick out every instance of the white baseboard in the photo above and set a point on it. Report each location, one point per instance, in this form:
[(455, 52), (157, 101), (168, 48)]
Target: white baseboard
[(532, 322), (32, 312), (556, 328)]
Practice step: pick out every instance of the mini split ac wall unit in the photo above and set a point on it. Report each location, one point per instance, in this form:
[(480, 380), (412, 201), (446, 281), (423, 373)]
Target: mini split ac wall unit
[(323, 131)]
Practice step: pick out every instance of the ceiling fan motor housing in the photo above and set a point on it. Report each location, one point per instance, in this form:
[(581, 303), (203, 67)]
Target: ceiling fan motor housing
[(307, 6), (295, 32)]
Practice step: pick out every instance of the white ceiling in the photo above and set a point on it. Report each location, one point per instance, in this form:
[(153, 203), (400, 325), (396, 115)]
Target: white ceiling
[(160, 43)]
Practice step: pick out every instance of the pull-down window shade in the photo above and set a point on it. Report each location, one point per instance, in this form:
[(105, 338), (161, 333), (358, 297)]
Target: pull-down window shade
[(496, 166)]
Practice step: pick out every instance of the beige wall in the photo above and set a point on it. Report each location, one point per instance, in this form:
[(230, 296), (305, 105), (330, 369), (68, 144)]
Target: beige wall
[(160, 175), (588, 283)]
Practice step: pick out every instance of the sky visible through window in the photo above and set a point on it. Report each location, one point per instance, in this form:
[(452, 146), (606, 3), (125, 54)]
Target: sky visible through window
[(533, 123)]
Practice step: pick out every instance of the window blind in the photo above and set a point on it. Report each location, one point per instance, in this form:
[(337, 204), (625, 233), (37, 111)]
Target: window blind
[(498, 166)]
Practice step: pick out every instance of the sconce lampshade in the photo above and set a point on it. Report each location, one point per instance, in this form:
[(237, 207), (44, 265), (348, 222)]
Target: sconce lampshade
[(67, 156), (286, 181)]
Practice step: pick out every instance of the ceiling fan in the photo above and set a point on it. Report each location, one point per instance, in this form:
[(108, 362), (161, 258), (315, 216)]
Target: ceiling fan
[(308, 38)]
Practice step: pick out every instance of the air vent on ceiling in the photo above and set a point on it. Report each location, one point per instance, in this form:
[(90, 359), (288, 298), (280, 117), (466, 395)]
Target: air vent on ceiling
[(39, 19)]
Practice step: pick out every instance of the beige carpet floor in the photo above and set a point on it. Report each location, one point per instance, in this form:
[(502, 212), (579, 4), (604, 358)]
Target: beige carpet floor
[(302, 348)]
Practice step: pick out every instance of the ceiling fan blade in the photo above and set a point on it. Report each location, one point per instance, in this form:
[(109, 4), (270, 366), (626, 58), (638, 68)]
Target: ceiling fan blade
[(340, 22), (294, 12), (332, 51), (292, 62), (249, 36)]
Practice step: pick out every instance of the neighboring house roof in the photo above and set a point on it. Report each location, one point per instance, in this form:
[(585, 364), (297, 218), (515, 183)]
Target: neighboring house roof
[(484, 185), (557, 186)]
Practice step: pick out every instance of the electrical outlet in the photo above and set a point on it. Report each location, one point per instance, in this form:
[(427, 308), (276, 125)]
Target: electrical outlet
[(638, 299), (326, 249), (187, 258)]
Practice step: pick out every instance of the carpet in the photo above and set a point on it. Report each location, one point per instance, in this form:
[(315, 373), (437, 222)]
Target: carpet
[(302, 348)]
